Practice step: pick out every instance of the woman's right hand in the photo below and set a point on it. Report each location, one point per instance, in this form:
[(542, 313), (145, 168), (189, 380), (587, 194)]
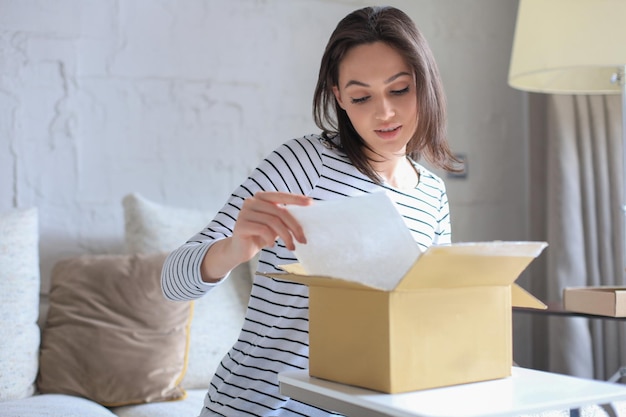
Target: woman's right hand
[(262, 219)]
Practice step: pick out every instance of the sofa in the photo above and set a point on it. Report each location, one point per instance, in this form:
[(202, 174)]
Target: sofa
[(100, 340), (97, 338)]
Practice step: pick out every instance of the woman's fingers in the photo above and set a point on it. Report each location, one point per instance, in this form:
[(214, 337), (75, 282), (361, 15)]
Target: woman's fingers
[(264, 218), (276, 206), (276, 197), (267, 227)]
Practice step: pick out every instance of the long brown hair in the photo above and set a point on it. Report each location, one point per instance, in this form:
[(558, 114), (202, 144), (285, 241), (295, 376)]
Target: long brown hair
[(393, 27)]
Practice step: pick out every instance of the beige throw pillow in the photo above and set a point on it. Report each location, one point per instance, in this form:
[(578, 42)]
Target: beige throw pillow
[(110, 334)]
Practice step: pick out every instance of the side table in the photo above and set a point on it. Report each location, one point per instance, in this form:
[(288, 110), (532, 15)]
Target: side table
[(556, 309), (527, 391)]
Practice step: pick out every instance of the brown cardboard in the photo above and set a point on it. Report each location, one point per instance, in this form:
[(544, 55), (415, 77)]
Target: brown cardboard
[(602, 301), (447, 322)]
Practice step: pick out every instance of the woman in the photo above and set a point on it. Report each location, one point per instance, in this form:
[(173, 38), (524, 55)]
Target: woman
[(381, 108)]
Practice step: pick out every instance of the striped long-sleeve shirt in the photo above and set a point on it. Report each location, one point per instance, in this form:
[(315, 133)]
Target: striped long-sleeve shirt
[(274, 337)]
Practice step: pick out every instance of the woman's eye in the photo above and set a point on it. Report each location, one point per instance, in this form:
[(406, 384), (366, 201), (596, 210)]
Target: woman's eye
[(359, 100), (400, 92)]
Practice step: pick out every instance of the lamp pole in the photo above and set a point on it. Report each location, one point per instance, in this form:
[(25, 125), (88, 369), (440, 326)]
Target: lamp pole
[(620, 77)]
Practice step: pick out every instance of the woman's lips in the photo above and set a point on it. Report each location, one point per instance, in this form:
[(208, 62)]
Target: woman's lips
[(388, 132)]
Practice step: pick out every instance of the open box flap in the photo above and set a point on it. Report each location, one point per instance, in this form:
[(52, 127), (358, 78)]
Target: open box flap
[(471, 264), (519, 296), (522, 298), (450, 266), (296, 273)]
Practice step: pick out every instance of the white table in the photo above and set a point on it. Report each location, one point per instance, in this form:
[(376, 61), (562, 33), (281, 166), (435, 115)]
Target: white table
[(526, 391)]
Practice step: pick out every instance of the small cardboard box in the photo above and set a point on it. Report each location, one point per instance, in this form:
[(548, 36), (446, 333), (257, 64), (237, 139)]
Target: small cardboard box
[(447, 322), (602, 301)]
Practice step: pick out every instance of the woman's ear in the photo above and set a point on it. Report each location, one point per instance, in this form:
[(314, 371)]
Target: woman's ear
[(338, 96)]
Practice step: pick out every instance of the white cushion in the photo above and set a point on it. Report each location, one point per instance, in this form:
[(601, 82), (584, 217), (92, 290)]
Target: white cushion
[(218, 316), (19, 303), (54, 405), (190, 406), (151, 227)]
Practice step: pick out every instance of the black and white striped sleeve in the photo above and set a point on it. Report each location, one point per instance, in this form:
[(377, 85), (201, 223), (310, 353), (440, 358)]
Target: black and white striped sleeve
[(294, 167)]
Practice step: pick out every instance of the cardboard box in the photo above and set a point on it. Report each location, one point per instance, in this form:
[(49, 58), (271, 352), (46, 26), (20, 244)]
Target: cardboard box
[(602, 301), (447, 322)]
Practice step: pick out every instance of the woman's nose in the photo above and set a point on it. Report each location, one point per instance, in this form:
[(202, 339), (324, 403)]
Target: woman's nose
[(384, 110)]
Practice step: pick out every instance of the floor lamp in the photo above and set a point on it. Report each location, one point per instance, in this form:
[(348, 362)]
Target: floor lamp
[(573, 47)]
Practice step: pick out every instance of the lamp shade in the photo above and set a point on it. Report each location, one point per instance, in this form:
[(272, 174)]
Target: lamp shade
[(568, 46)]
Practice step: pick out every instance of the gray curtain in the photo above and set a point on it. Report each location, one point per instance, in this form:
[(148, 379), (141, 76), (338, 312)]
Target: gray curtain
[(576, 198)]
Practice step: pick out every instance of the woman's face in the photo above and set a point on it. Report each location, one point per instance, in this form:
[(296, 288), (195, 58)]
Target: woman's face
[(377, 91)]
